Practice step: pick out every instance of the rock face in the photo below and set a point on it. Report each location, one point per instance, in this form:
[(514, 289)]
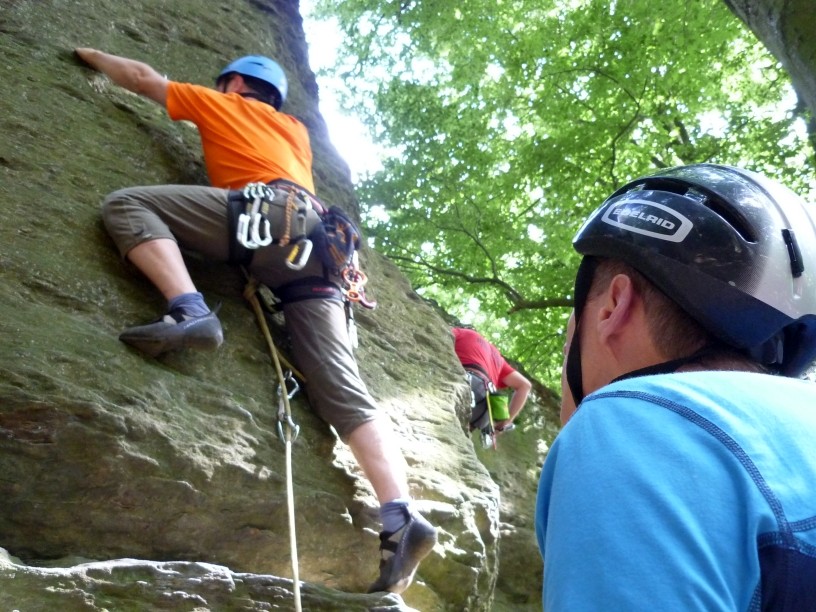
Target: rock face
[(135, 483)]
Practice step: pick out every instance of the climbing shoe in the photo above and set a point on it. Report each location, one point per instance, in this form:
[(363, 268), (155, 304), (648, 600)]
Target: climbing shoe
[(401, 551), (175, 331)]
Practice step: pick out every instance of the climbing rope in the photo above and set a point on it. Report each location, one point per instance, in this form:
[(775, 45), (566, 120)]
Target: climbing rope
[(287, 429)]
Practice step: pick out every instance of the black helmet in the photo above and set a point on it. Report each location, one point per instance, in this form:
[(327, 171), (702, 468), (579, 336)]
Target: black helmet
[(733, 249)]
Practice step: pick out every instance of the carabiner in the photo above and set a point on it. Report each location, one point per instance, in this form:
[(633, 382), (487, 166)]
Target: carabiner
[(299, 255), (260, 224), (290, 378), (242, 232), (292, 425)]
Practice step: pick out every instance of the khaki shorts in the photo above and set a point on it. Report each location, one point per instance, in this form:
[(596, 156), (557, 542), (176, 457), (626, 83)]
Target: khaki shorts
[(196, 218)]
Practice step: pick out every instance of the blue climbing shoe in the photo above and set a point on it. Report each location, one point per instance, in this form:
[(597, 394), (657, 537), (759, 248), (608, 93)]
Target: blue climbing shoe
[(175, 331), (401, 551)]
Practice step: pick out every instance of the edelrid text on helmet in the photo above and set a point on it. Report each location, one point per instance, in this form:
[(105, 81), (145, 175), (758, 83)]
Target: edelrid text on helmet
[(734, 249), (260, 68)]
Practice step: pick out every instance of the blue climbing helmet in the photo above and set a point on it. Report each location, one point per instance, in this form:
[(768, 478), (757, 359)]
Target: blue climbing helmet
[(263, 69), (735, 250)]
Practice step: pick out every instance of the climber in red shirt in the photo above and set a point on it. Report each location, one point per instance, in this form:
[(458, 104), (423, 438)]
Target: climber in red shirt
[(487, 370)]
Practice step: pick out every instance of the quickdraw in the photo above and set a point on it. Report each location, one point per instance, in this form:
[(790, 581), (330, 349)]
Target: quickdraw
[(489, 436), (287, 388)]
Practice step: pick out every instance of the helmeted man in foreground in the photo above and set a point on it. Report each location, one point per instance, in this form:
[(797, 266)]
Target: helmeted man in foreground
[(684, 477)]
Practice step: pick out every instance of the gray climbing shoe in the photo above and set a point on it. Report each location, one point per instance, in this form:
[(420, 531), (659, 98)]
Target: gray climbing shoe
[(175, 331), (401, 551)]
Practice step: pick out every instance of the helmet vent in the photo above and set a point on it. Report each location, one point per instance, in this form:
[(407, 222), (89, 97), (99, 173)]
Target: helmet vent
[(732, 217), (710, 200), (697, 195)]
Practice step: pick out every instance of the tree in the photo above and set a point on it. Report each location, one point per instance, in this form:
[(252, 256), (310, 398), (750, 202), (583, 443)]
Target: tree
[(512, 120), (786, 29)]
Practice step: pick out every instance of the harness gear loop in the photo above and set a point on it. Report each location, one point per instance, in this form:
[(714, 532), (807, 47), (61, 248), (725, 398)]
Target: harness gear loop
[(284, 415)]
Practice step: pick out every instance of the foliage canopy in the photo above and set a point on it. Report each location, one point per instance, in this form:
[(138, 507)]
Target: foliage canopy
[(511, 120)]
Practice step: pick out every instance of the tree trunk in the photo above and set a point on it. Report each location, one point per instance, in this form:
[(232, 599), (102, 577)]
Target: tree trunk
[(785, 27)]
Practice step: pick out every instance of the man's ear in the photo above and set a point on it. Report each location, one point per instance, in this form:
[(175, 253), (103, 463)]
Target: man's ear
[(616, 308), (233, 83)]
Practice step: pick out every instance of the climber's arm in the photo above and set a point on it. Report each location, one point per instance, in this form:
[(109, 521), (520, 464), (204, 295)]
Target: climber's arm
[(133, 75), (521, 389)]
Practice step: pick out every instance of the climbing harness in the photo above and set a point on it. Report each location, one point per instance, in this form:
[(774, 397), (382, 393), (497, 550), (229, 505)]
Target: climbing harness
[(284, 214), (492, 403), (270, 214), (287, 429), (276, 214)]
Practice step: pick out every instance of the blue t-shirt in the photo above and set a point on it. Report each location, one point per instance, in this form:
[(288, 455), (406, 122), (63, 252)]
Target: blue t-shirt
[(689, 491)]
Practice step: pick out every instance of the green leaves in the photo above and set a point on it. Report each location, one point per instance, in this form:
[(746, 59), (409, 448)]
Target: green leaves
[(515, 119)]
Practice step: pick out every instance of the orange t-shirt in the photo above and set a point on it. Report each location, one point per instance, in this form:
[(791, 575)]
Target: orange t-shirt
[(244, 140)]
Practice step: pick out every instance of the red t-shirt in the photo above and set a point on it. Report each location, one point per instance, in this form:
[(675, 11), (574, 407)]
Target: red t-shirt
[(244, 140), (471, 348)]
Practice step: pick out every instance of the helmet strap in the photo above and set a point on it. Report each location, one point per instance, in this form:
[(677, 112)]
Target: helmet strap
[(583, 282), (274, 103), (667, 367)]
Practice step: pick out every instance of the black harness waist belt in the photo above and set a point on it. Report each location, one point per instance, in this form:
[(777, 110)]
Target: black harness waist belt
[(308, 289), (477, 369)]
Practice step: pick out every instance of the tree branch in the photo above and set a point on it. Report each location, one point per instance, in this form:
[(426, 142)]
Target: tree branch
[(512, 294)]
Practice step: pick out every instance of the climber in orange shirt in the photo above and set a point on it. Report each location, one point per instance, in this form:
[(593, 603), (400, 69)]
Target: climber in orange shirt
[(248, 141)]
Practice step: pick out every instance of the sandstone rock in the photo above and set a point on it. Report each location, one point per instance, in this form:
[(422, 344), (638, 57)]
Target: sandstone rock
[(135, 483)]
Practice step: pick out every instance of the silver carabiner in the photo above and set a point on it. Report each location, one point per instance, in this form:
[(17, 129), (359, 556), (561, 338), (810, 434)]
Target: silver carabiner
[(246, 221), (258, 222), (242, 232), (292, 425), (253, 230), (288, 377), (299, 255)]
